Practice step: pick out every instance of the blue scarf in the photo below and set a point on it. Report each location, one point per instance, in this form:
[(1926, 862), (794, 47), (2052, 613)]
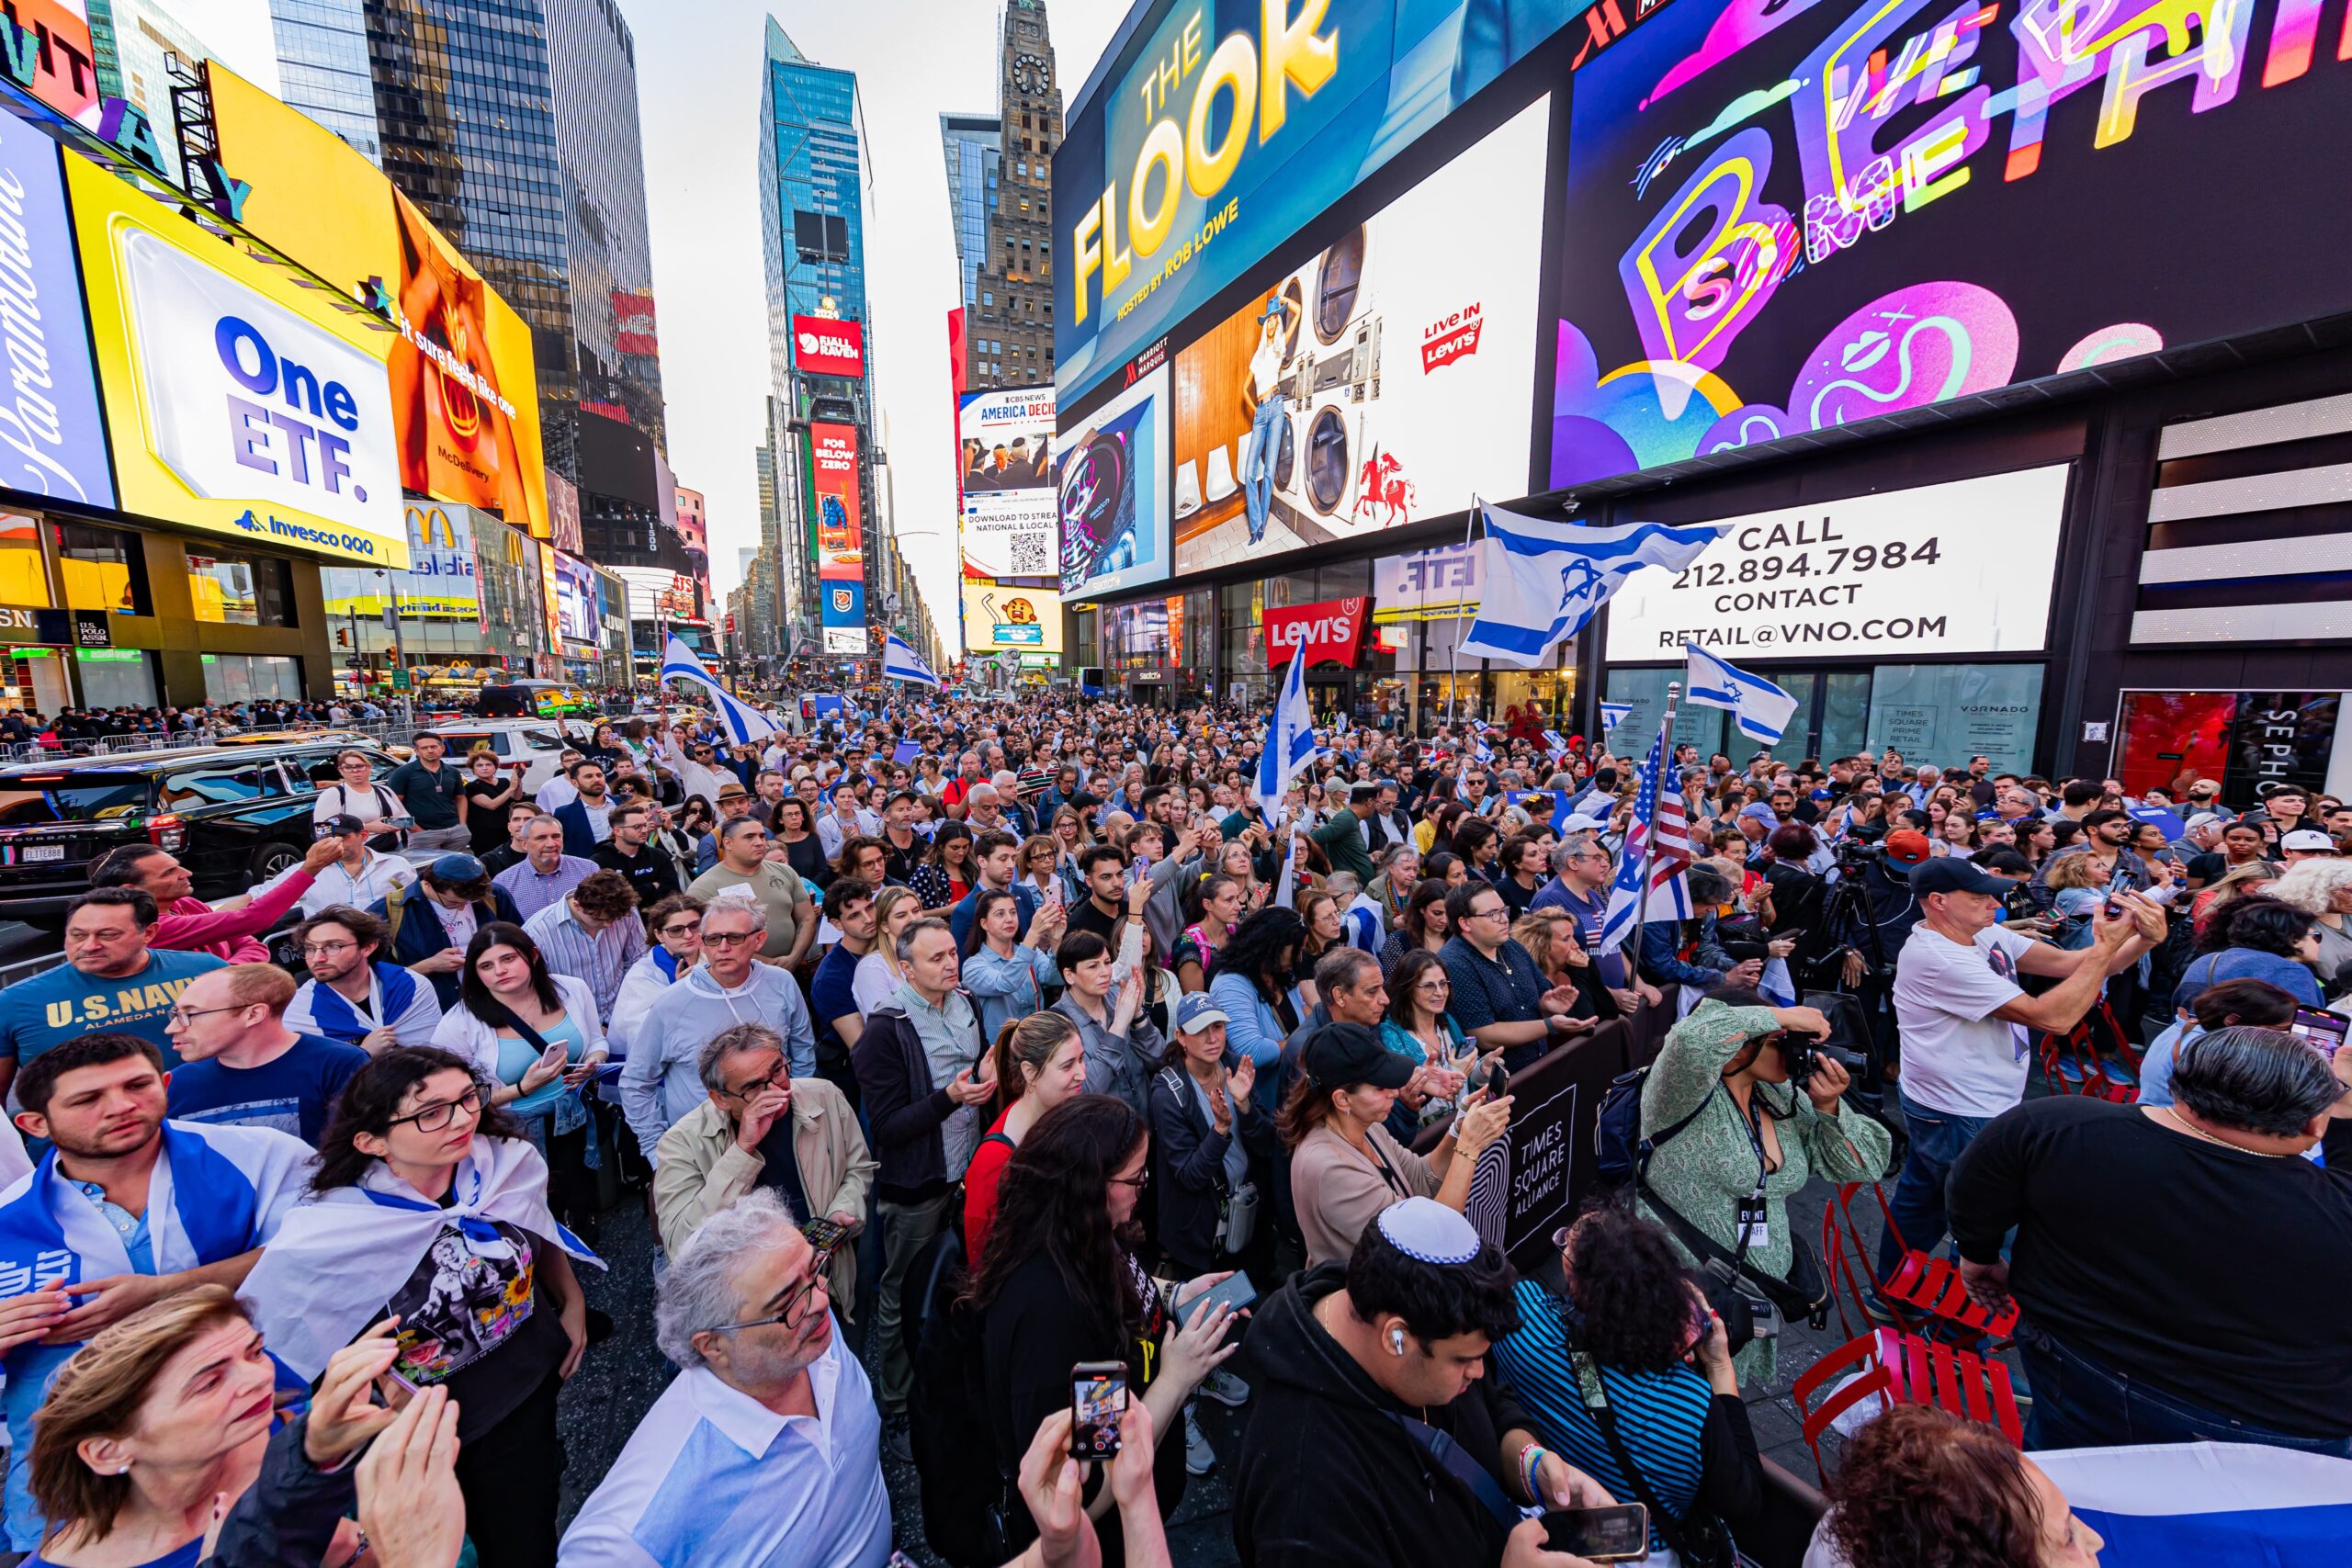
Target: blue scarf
[(338, 1020)]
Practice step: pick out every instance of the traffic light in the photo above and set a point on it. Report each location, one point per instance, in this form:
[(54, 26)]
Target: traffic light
[(343, 637)]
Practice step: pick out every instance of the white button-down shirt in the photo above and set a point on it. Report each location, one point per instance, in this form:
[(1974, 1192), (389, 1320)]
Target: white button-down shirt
[(714, 1479)]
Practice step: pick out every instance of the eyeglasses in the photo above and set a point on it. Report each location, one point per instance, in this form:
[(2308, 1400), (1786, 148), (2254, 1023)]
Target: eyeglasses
[(190, 1015), (1433, 988), (310, 947), (778, 1077), (1138, 1182), (1494, 913), (439, 1114), (684, 928), (729, 939), (796, 1306)]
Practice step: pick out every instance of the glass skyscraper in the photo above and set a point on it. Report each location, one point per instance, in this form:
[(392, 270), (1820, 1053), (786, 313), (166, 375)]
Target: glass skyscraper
[(322, 67), (975, 147)]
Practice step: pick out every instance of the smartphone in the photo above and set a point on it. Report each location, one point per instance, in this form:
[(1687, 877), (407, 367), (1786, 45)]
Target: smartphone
[(2117, 886), (825, 1234), (555, 1054), (395, 1391), (2325, 1030), (1620, 1534), (1236, 1292), (1097, 1402), (1497, 1082)]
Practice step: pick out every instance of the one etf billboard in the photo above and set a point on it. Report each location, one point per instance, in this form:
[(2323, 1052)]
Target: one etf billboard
[(1384, 380), (1008, 482), (236, 403), (841, 535)]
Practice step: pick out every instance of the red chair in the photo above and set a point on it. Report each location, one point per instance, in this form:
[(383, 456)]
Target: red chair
[(1899, 1367), (1855, 1355), (1972, 1387), (1922, 1291), (2091, 1058)]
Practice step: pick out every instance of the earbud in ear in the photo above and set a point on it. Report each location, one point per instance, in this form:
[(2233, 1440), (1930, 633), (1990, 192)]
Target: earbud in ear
[(1395, 1341)]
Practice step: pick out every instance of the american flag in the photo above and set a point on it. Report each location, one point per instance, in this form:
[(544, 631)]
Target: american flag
[(1657, 809)]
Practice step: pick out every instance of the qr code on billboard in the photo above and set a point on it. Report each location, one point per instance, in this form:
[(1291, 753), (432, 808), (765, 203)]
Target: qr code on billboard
[(1032, 556)]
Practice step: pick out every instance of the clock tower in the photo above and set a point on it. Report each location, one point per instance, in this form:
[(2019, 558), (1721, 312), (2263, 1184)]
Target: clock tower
[(1009, 328)]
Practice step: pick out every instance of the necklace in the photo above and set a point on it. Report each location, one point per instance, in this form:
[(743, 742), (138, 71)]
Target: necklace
[(2186, 1125)]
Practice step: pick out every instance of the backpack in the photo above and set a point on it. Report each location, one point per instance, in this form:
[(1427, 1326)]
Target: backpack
[(1619, 1151), (965, 1495)]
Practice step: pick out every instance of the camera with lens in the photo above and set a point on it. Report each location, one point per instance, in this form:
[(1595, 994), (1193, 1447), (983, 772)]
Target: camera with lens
[(1803, 1056), (1853, 854)]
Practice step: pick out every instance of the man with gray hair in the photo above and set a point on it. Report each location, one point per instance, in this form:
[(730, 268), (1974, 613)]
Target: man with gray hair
[(765, 1447), (661, 1080), (2211, 1309), (763, 1129)]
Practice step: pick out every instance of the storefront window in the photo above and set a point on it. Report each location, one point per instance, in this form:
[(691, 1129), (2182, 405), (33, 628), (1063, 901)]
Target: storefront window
[(1946, 713), (1843, 727), (1083, 637), (1646, 690), (103, 569), (240, 590), (23, 579), (251, 677), (117, 677), (2252, 742)]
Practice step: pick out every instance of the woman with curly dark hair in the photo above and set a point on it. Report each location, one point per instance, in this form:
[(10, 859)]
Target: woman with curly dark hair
[(433, 1208), (1917, 1488), (1058, 1282), (1254, 982), (2257, 938), (1633, 1320), (947, 871)]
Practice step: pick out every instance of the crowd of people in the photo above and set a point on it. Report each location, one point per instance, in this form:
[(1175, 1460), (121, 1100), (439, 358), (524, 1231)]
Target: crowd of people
[(1022, 1046)]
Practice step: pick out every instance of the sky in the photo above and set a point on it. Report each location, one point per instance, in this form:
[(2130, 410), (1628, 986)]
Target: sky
[(699, 98)]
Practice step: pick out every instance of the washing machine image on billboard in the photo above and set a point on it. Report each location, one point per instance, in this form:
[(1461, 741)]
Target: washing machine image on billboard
[(1386, 380), (1111, 470)]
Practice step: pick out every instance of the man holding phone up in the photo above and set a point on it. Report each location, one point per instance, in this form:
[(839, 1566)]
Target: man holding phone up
[(1965, 1021)]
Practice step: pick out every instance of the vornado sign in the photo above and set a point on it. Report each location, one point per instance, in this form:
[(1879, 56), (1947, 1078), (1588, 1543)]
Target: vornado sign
[(824, 346)]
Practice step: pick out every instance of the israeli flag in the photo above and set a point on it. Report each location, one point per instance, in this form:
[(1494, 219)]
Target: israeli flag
[(1290, 740), (2184, 1505), (1543, 579), (1480, 750), (1761, 708), (1612, 715), (743, 721), (901, 662)]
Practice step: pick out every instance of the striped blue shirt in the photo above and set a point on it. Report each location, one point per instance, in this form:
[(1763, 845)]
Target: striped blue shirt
[(601, 958), (1660, 1417)]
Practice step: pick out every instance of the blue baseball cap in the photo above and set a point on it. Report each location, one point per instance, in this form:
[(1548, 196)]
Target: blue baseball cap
[(1196, 1012)]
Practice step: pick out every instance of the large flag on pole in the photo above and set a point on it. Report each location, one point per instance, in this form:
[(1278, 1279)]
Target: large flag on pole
[(1611, 715), (1290, 740), (901, 662), (743, 721), (1658, 845), (1760, 708), (1543, 579)]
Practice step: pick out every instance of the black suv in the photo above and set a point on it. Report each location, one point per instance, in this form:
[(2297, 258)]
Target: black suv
[(235, 815)]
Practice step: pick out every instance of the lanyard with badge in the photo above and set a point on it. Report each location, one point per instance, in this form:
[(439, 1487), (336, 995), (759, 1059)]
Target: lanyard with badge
[(1755, 1225)]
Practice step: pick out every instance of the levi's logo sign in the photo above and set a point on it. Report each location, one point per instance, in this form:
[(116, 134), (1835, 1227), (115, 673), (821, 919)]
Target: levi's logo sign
[(1451, 338)]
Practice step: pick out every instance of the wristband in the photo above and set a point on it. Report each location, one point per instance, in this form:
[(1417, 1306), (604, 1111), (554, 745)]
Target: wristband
[(1529, 1459)]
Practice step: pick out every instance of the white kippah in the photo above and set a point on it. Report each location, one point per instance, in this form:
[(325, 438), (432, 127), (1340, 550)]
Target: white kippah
[(1427, 1229)]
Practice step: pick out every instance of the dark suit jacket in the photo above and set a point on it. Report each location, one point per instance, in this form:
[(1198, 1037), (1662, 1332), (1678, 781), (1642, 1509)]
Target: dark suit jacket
[(578, 834)]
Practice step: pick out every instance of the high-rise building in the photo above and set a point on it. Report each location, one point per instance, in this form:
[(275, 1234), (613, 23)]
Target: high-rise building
[(323, 68), (141, 50), (1009, 328), (814, 180), (975, 145)]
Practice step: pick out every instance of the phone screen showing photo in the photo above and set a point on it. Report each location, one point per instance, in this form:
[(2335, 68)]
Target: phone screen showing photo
[(2325, 1030), (1098, 1402)]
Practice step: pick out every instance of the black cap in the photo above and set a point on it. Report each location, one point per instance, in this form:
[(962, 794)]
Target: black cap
[(1339, 1055), (341, 823), (1954, 874)]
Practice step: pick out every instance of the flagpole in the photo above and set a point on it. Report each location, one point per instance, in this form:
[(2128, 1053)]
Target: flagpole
[(1453, 649), (1649, 840)]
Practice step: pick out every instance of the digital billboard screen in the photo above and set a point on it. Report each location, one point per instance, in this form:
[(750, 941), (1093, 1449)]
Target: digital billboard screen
[(1784, 219), (1224, 127), (237, 403), (1006, 438), (1112, 471), (576, 614), (841, 535), (1387, 379), (1001, 618)]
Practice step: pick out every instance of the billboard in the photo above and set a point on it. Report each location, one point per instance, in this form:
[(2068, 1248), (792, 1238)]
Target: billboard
[(824, 346), (1018, 620), (1958, 568), (841, 535), (1008, 482), (465, 374), (1783, 220), (577, 618), (442, 581), (1381, 382), (49, 55), (1113, 477), (1224, 127), (53, 439), (237, 403), (692, 531)]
